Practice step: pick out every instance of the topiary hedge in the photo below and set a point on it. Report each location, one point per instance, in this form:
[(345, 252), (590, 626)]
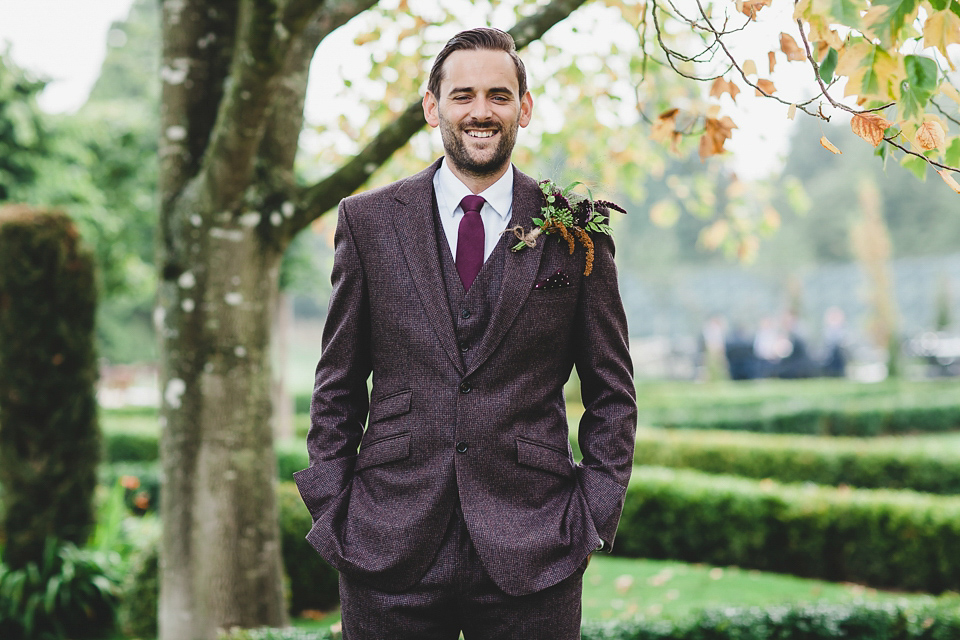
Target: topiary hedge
[(871, 464), (49, 437), (314, 584), (894, 539)]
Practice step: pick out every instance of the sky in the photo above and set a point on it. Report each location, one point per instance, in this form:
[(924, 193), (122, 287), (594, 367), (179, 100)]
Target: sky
[(65, 42)]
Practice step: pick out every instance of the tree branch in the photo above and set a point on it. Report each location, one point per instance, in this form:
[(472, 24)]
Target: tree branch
[(314, 201)]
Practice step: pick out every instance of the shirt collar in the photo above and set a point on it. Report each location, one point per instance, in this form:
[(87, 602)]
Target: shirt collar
[(499, 195)]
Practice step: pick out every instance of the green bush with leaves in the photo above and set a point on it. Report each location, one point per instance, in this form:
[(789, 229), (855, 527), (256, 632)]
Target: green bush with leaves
[(49, 439), (70, 593), (895, 539), (882, 463), (139, 594), (314, 584)]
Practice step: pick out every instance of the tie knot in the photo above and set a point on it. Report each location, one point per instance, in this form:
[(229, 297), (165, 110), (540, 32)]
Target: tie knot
[(472, 203)]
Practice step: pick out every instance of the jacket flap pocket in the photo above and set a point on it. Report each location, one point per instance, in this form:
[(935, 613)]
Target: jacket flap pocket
[(384, 450), (393, 405), (540, 456)]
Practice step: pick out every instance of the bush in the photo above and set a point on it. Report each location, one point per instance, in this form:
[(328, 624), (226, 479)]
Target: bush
[(49, 442), (71, 593), (880, 464), (140, 481), (291, 457), (896, 539), (131, 447), (314, 584), (137, 613)]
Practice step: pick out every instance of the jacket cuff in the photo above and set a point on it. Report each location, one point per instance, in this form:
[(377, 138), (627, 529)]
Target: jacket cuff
[(322, 482), (605, 499)]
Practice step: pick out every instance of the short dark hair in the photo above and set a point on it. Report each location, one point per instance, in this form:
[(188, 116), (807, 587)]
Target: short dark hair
[(472, 40)]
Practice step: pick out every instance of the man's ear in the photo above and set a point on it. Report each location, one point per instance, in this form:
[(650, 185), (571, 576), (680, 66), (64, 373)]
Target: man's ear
[(526, 109), (431, 110)]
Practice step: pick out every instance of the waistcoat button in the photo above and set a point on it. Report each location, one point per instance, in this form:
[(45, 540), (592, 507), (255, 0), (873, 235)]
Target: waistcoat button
[(465, 387), (462, 447)]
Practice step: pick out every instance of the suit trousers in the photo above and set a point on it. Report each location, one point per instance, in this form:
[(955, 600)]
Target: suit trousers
[(456, 594)]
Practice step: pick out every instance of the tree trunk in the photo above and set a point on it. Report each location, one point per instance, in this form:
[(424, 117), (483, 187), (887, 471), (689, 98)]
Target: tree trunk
[(220, 544), (283, 428)]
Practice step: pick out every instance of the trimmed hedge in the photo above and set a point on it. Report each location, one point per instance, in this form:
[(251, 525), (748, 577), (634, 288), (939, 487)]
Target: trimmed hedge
[(871, 464), (895, 539), (314, 584), (800, 622)]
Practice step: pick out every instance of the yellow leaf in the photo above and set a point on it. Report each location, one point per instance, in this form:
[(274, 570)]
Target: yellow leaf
[(765, 87), (948, 178), (870, 127), (951, 92), (792, 112), (771, 60), (749, 68), (871, 71), (750, 8), (721, 86), (789, 46), (941, 29), (665, 126), (829, 146), (930, 135)]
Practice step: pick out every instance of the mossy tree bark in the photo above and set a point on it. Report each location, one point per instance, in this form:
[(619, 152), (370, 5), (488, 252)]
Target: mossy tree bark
[(234, 76)]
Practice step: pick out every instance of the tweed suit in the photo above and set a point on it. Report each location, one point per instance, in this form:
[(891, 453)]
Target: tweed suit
[(490, 436)]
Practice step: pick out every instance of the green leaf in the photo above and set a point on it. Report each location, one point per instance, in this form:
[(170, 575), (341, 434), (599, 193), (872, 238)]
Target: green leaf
[(829, 65), (939, 5), (896, 15), (881, 152), (955, 7), (847, 12), (952, 156), (916, 166), (538, 222), (922, 74)]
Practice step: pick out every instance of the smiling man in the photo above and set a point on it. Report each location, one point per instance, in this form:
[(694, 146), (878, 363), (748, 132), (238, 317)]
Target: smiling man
[(458, 507)]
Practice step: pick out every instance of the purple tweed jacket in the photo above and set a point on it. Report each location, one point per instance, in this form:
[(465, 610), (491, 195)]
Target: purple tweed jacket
[(493, 436)]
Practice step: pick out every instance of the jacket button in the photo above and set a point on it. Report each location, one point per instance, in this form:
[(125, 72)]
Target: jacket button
[(462, 447), (465, 387), (465, 314), (464, 347)]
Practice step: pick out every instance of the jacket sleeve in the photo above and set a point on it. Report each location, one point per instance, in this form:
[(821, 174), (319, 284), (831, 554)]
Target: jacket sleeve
[(340, 402), (608, 426)]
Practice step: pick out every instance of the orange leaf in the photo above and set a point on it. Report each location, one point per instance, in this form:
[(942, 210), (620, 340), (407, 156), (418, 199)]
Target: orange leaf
[(750, 8), (870, 127), (721, 86), (930, 135), (772, 60), (949, 179), (829, 146), (665, 126), (716, 134), (789, 46), (765, 87)]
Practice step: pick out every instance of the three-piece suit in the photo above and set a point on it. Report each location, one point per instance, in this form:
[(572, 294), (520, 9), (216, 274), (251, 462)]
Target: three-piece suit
[(466, 413)]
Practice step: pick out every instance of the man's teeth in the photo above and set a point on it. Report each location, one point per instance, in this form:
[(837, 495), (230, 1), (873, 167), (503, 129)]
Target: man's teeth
[(481, 134)]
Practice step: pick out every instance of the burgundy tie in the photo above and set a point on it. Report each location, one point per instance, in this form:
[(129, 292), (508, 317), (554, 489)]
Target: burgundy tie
[(470, 241)]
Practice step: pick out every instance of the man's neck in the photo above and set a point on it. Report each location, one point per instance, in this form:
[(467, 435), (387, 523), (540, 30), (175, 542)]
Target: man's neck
[(477, 184)]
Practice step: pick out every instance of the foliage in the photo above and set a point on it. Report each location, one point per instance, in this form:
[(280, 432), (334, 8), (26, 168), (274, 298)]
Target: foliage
[(895, 539), (137, 612), (886, 463), (69, 593), (49, 442), (314, 584)]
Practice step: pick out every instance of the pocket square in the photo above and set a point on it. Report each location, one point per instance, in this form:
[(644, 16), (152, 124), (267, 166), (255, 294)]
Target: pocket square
[(558, 280)]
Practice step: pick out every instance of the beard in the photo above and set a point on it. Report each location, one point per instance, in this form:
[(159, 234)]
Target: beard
[(457, 152)]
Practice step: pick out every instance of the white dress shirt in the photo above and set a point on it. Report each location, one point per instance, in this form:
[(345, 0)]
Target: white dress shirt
[(495, 213)]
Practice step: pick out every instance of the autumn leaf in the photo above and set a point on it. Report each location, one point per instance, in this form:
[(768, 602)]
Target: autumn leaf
[(665, 126), (718, 131), (870, 127), (930, 135), (750, 8), (765, 87), (890, 21), (721, 86), (870, 70), (749, 68), (941, 29), (792, 112), (829, 146), (789, 46), (771, 60), (948, 178)]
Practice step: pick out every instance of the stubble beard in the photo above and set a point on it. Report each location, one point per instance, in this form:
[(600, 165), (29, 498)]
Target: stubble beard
[(458, 154)]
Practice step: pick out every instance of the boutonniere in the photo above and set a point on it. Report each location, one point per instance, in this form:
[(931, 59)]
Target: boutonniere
[(571, 215)]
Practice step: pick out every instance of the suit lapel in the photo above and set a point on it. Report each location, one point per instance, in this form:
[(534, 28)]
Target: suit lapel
[(519, 270), (415, 229)]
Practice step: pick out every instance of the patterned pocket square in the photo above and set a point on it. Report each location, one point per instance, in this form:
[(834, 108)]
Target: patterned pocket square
[(558, 280)]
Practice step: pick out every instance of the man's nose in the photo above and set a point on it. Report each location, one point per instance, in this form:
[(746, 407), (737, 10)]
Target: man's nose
[(481, 110)]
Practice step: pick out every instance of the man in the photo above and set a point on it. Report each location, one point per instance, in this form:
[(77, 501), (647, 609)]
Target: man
[(463, 509)]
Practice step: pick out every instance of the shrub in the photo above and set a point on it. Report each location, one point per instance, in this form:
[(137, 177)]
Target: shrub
[(49, 440), (140, 481), (291, 457), (896, 539), (137, 613), (876, 464), (131, 447), (70, 593), (314, 584)]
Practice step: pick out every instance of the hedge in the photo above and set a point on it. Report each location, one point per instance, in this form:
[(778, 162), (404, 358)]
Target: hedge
[(797, 622), (894, 539), (872, 464)]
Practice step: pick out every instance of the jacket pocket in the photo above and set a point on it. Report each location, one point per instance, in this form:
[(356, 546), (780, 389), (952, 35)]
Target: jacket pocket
[(389, 449), (544, 457), (396, 404)]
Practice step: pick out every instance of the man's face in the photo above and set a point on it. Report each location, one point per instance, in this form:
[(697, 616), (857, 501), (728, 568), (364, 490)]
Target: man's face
[(479, 111)]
